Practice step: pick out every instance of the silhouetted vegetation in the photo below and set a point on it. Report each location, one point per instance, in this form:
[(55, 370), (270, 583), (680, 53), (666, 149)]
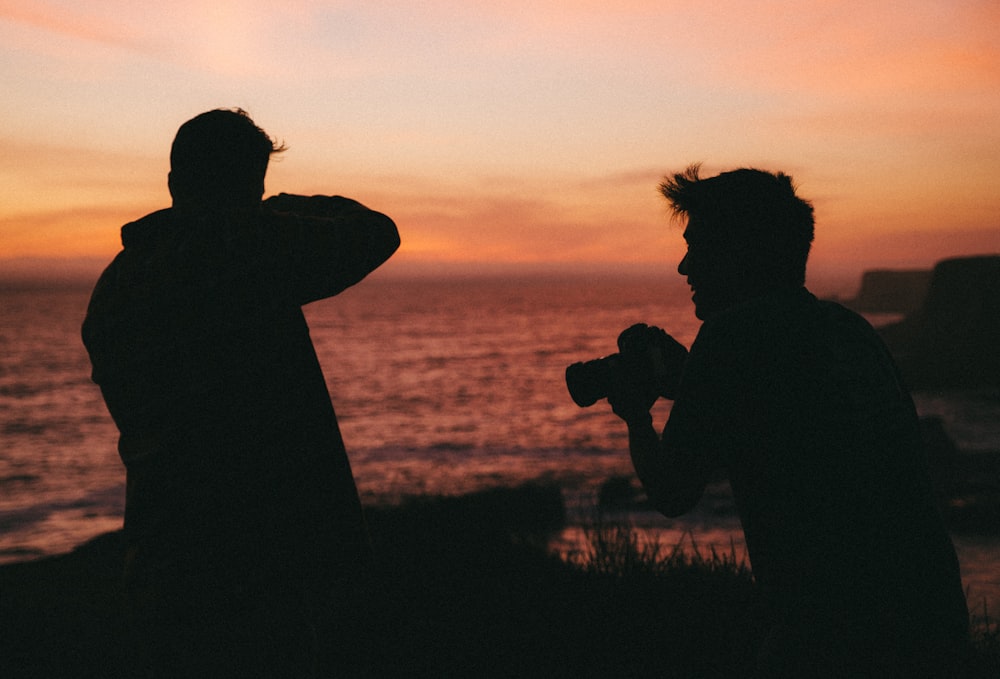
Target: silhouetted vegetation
[(466, 587)]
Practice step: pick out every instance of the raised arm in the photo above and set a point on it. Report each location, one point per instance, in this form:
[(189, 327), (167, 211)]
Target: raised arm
[(329, 243)]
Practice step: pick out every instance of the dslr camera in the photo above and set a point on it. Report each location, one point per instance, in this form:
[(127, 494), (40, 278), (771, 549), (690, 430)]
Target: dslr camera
[(646, 356)]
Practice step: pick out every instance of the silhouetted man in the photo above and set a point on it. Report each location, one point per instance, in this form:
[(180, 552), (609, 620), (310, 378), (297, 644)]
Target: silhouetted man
[(242, 520), (801, 404)]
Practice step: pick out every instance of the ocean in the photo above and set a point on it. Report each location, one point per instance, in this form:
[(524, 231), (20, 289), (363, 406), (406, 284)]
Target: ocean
[(441, 386)]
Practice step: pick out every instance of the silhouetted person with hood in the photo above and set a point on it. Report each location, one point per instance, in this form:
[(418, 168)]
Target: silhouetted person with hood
[(800, 403), (243, 526)]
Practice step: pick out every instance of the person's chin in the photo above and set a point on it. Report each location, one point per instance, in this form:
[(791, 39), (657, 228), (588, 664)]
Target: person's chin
[(703, 308)]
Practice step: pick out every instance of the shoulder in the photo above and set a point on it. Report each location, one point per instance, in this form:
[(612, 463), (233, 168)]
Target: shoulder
[(842, 319), (785, 314), (755, 322), (147, 228), (136, 236)]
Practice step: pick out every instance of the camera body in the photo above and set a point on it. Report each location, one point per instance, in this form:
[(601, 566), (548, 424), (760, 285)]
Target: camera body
[(646, 355), (588, 381)]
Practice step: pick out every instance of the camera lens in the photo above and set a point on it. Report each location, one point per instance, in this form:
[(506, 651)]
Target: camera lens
[(588, 382)]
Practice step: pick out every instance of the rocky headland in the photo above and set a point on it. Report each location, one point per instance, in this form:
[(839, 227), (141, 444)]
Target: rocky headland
[(891, 291), (950, 334)]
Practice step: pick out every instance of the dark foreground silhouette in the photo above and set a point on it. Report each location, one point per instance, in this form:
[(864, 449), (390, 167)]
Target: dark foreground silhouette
[(243, 526), (466, 589), (950, 340), (801, 405)]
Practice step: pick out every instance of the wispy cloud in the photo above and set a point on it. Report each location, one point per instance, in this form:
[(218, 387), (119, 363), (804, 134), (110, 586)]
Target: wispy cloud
[(80, 23), (521, 130)]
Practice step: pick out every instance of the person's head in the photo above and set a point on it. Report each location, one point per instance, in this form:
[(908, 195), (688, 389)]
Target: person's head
[(747, 234), (218, 160)]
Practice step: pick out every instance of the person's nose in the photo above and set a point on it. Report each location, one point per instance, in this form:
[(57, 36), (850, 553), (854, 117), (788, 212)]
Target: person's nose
[(682, 268)]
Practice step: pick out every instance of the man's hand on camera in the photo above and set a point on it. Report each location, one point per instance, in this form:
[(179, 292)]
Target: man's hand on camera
[(631, 398), (653, 355), (633, 389), (669, 357)]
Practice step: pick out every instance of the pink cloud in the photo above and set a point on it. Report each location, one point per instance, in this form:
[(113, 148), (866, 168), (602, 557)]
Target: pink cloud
[(76, 24)]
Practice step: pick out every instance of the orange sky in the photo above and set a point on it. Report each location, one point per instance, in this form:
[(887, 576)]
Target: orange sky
[(517, 132)]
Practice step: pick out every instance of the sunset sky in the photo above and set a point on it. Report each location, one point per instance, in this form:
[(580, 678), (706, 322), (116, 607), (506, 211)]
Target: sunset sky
[(530, 133)]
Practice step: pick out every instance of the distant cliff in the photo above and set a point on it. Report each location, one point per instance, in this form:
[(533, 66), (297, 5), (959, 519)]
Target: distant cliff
[(894, 292), (953, 338)]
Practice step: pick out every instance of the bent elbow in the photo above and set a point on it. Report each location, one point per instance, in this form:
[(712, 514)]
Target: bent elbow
[(384, 239)]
